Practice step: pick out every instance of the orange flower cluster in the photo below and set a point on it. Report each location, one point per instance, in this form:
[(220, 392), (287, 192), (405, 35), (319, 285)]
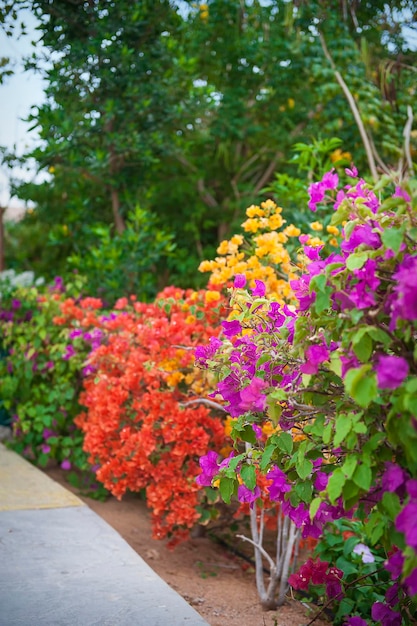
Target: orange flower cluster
[(143, 426)]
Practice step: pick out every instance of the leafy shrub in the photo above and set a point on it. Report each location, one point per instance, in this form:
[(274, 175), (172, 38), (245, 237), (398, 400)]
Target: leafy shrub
[(337, 375), (41, 377)]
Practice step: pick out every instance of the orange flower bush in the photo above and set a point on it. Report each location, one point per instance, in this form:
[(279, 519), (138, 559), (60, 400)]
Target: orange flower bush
[(144, 425)]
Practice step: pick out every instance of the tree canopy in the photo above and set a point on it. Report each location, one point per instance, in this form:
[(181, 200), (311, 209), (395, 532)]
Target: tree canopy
[(191, 111)]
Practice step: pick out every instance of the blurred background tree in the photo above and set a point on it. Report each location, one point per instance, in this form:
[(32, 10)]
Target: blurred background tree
[(192, 111)]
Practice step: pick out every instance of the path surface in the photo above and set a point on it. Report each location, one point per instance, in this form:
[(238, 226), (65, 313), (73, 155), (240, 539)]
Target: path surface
[(62, 565)]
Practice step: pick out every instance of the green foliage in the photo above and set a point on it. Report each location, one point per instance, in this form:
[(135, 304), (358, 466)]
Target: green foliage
[(190, 112), (343, 544), (39, 384), (131, 262)]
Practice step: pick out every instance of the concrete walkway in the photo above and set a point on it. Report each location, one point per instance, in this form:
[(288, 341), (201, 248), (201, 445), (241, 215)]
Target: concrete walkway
[(62, 565)]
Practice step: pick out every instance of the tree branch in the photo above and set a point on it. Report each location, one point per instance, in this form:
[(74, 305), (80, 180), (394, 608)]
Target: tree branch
[(354, 109)]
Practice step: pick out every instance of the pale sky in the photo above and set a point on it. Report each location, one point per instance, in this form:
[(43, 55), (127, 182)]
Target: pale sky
[(18, 94)]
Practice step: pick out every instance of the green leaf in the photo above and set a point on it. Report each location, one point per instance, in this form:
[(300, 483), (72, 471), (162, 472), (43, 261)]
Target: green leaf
[(335, 484), (360, 384), (227, 488), (314, 507), (303, 467), (363, 476), (392, 238), (304, 490), (391, 503), (343, 427), (363, 348), (248, 475), (285, 442), (356, 260)]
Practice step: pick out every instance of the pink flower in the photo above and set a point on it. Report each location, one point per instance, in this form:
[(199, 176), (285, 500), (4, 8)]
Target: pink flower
[(391, 371), (260, 289), (66, 464), (315, 355), (240, 281)]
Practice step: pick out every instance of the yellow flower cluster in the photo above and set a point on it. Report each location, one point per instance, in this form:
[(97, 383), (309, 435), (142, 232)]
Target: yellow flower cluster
[(264, 258), (265, 254)]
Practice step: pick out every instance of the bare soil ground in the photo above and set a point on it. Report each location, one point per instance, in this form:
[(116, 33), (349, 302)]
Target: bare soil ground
[(216, 582)]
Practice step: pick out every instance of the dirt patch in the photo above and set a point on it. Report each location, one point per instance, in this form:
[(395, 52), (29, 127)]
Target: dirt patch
[(217, 583)]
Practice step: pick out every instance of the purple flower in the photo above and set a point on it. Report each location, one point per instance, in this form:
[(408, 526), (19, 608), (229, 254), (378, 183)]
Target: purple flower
[(203, 354), (394, 564), (361, 234), (210, 467), (356, 621), (16, 304), (315, 355), (382, 613), (391, 371), (411, 486), (301, 288), (404, 304), (279, 485), (362, 550), (353, 173), (406, 523), (88, 369), (251, 398), (260, 289), (411, 582), (244, 494), (240, 281), (257, 430), (66, 464), (321, 481), (317, 190), (47, 433), (69, 352), (393, 478), (401, 193), (77, 332), (230, 329), (45, 448)]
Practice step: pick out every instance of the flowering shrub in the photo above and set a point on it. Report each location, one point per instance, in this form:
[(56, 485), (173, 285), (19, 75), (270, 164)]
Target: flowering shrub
[(144, 426), (40, 377), (340, 370)]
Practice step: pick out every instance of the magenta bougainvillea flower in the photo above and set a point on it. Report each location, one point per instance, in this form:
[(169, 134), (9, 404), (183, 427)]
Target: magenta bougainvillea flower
[(391, 371), (279, 486), (260, 289), (406, 523), (384, 614), (394, 564), (362, 234), (210, 468), (315, 355), (244, 494), (317, 191), (393, 478), (230, 329), (404, 303), (240, 281), (356, 621)]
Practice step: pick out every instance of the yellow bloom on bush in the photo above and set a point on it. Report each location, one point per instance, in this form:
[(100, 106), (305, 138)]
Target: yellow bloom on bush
[(316, 226), (332, 230), (212, 296), (292, 231), (254, 211)]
